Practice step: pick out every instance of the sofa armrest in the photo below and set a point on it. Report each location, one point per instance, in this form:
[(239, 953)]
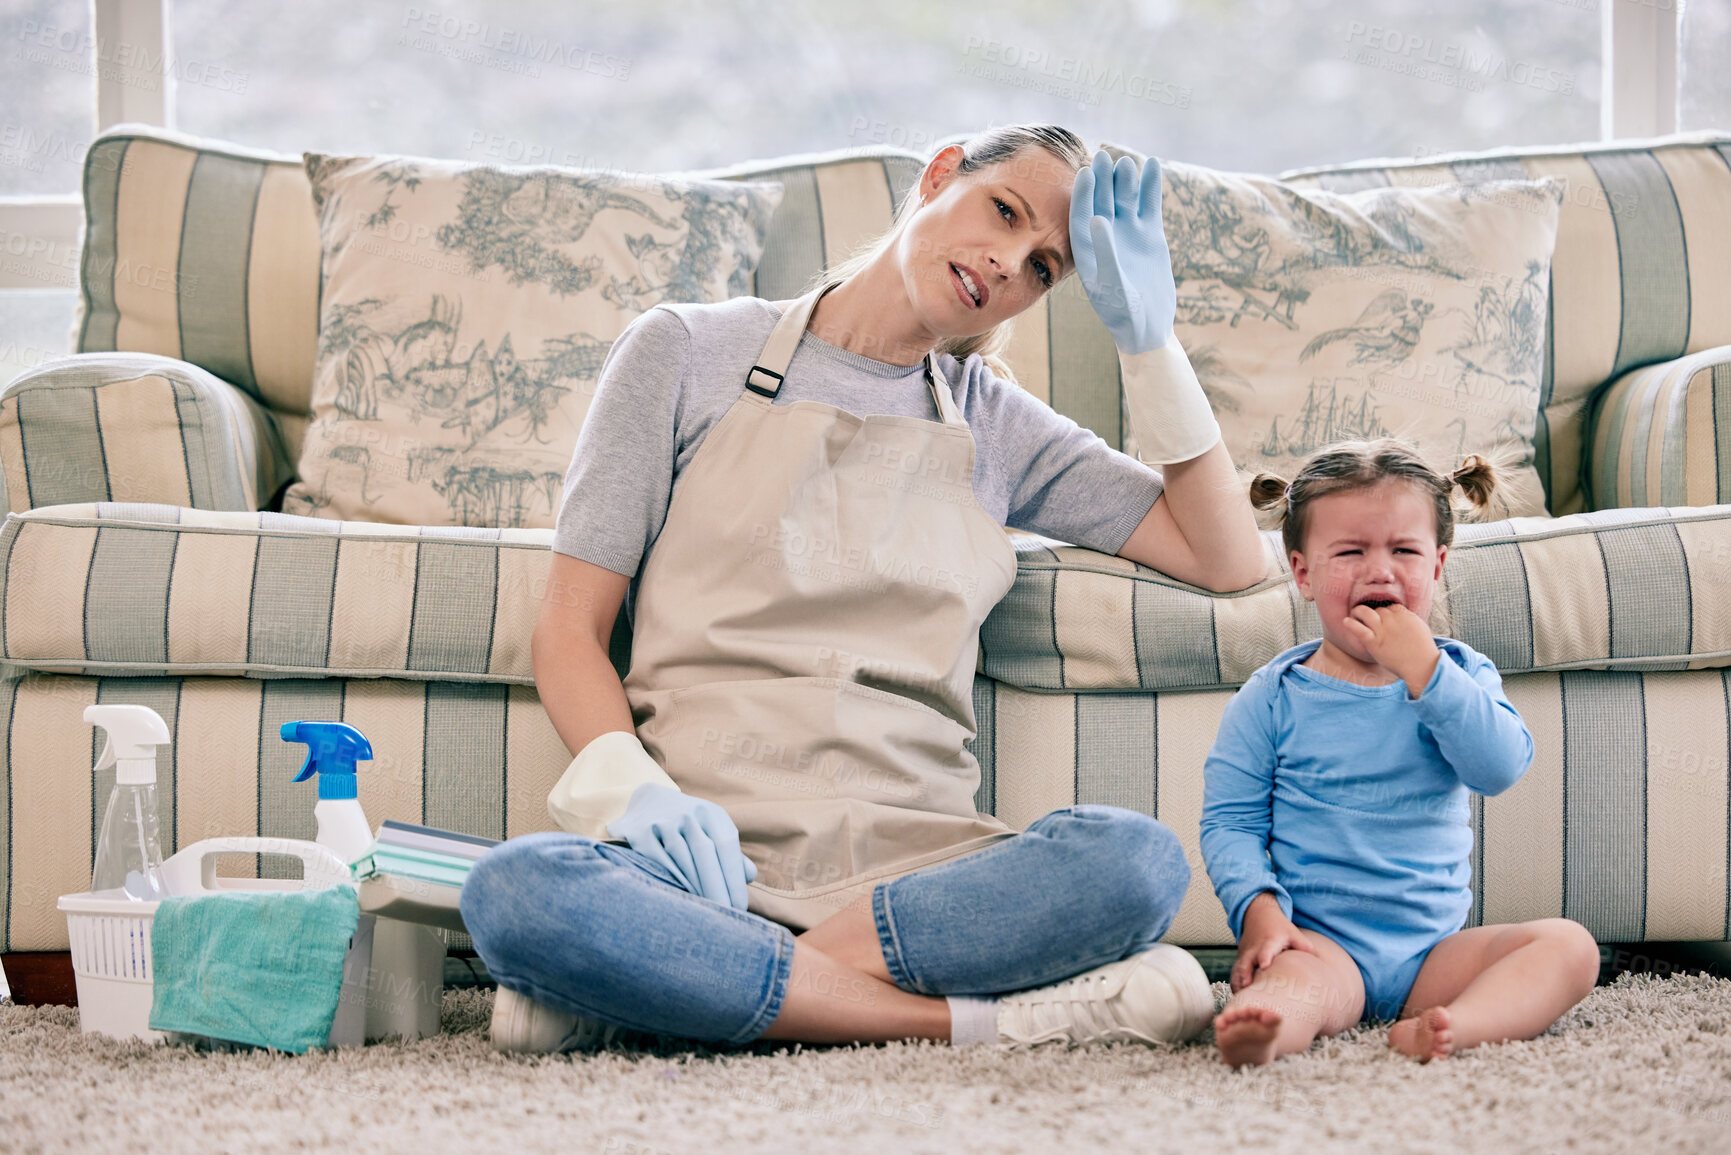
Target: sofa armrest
[(1661, 435), (135, 427)]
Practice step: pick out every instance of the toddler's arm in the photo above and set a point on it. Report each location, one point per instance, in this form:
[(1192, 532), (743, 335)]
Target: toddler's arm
[(1473, 724), (1237, 804)]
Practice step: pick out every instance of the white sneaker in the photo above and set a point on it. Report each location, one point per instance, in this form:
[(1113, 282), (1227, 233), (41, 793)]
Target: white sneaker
[(523, 1026), (1160, 996)]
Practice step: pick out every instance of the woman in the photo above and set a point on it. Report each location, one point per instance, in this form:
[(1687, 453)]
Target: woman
[(787, 752)]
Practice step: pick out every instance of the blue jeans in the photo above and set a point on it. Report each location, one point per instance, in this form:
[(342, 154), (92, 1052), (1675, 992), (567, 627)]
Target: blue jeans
[(599, 930)]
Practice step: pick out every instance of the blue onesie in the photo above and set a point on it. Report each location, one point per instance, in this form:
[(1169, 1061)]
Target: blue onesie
[(1349, 802)]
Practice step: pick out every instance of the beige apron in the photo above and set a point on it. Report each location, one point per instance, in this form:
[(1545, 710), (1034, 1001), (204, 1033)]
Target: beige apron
[(806, 635)]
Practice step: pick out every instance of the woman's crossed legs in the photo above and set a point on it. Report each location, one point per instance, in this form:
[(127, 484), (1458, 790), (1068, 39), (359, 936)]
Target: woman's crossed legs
[(593, 929), (1079, 888)]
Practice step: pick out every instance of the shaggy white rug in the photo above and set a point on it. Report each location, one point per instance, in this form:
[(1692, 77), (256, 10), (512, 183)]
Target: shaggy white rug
[(1643, 1064)]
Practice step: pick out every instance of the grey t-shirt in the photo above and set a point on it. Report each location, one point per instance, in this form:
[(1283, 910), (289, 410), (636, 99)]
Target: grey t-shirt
[(677, 369)]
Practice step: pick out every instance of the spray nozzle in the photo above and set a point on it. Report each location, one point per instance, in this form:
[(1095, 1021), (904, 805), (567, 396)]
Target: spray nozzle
[(133, 734), (332, 750)]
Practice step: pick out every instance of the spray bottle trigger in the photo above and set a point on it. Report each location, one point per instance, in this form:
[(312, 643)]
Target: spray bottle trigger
[(106, 758), (307, 767)]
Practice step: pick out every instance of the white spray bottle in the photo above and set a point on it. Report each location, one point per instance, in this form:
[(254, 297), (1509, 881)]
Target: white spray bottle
[(129, 848)]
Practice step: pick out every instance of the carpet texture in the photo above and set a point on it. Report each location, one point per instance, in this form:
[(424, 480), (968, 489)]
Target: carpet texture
[(1641, 1064)]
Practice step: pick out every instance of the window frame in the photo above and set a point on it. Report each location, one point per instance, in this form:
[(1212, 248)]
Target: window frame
[(54, 222)]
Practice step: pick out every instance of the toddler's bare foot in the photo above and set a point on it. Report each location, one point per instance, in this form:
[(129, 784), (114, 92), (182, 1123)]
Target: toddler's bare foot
[(1425, 1036), (1245, 1034)]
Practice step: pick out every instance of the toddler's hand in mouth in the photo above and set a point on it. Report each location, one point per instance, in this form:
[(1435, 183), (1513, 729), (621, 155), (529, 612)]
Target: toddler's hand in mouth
[(1399, 640)]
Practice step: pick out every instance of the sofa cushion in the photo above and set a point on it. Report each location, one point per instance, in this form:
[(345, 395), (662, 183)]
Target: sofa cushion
[(1061, 352), (135, 427), (138, 589), (1662, 433), (209, 251), (1641, 271), (1417, 313), (467, 311), (205, 251), (159, 589)]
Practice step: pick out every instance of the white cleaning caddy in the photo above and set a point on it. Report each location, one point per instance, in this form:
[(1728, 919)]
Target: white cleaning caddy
[(111, 937)]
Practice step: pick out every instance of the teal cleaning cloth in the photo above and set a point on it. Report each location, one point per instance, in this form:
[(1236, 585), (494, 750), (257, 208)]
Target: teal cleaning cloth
[(259, 967)]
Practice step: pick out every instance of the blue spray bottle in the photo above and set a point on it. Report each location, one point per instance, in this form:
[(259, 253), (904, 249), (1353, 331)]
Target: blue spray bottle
[(405, 982), (333, 748)]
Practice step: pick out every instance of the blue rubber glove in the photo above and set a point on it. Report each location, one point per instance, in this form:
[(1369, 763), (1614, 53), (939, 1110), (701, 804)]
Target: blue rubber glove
[(692, 837), (1119, 246)]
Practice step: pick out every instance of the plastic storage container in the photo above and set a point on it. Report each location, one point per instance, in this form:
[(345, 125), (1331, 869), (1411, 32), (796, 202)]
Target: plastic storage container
[(111, 938)]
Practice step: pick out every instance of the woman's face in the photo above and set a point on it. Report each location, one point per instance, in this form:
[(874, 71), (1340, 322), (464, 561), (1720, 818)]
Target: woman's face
[(986, 245)]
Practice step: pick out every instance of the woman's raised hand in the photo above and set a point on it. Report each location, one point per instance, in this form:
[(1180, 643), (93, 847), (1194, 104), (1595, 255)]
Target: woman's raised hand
[(1119, 246)]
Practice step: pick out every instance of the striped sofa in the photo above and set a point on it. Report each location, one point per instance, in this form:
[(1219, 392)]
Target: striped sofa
[(141, 561)]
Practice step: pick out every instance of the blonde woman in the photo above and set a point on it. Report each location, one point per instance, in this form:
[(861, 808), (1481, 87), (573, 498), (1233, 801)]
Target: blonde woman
[(770, 827)]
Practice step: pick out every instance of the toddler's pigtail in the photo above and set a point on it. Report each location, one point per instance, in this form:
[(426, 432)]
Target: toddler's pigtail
[(1268, 495), (1477, 479)]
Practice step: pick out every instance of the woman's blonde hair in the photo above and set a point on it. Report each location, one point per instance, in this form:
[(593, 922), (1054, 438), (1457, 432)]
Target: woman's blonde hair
[(980, 151), (1353, 465)]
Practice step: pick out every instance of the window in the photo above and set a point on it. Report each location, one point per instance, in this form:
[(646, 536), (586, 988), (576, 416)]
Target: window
[(48, 94), (1257, 85), (660, 85)]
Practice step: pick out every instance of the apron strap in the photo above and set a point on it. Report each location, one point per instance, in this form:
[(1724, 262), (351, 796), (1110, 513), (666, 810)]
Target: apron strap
[(766, 376), (941, 394)]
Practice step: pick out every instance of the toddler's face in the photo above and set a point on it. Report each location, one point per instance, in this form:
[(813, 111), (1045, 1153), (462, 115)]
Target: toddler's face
[(1369, 547)]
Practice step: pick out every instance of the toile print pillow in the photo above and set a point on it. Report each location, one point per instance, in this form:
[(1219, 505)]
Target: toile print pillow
[(1312, 317), (464, 315)]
